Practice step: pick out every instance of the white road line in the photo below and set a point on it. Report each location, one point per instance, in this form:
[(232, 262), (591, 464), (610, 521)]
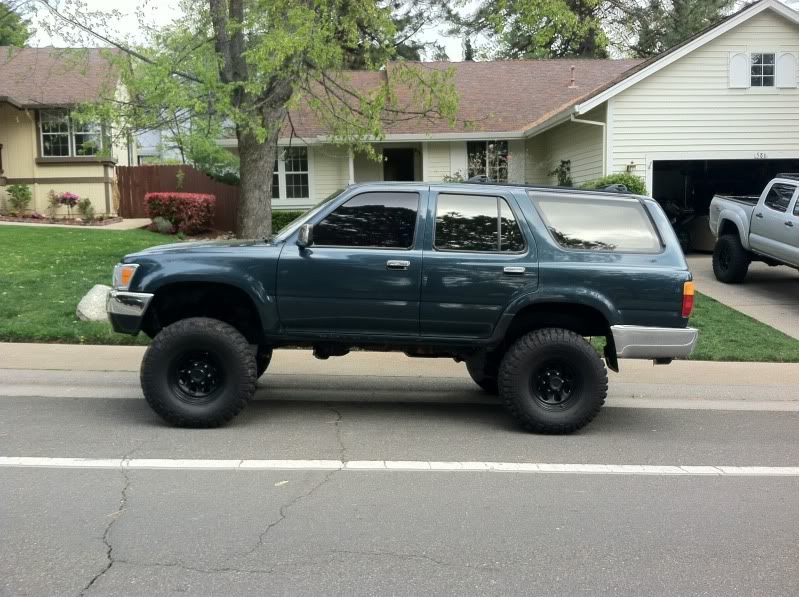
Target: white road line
[(396, 466)]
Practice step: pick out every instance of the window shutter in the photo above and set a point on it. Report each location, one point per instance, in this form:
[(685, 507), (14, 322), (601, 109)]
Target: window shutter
[(740, 70), (786, 70)]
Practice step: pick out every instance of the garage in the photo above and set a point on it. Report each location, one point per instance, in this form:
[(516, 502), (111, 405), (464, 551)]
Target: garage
[(685, 188)]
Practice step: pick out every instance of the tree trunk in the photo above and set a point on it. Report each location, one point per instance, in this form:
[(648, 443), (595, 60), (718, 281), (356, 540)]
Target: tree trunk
[(257, 167)]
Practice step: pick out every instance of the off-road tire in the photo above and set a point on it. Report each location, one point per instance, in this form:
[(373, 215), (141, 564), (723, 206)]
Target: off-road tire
[(525, 366), (484, 373), (231, 355), (730, 260), (263, 357)]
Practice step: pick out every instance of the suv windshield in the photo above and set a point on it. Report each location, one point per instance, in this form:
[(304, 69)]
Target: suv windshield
[(301, 219)]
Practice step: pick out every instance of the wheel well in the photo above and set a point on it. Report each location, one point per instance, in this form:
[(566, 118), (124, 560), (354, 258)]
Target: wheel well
[(580, 319), (232, 305), (728, 227)]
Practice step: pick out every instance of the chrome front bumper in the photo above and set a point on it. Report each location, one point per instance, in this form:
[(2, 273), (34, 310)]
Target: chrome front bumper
[(637, 342), (126, 310)]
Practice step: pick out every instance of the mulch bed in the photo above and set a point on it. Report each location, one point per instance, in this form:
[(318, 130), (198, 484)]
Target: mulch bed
[(70, 221)]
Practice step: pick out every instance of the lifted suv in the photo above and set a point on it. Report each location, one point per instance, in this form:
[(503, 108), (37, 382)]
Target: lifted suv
[(509, 279)]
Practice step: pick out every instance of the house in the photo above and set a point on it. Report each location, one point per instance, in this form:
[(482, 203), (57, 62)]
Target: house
[(41, 143), (718, 113)]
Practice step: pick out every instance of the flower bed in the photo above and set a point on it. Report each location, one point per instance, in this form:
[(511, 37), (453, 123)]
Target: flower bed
[(40, 219)]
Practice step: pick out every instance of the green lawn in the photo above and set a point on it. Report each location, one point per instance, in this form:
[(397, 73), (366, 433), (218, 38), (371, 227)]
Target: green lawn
[(45, 271)]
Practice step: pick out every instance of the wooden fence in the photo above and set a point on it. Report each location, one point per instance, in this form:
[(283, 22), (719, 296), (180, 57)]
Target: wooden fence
[(136, 181)]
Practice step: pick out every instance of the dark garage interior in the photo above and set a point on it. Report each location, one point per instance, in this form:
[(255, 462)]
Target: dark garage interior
[(685, 188)]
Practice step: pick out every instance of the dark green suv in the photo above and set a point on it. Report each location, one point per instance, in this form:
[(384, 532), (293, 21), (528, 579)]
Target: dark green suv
[(512, 280)]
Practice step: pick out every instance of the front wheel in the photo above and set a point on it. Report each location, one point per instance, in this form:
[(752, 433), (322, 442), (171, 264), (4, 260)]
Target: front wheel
[(730, 260), (553, 381), (198, 372)]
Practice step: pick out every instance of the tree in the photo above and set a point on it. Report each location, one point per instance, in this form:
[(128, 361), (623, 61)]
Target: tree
[(536, 28), (249, 64), (648, 27), (14, 30)]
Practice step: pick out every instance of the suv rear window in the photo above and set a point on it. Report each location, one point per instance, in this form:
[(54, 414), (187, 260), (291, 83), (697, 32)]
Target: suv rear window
[(620, 225)]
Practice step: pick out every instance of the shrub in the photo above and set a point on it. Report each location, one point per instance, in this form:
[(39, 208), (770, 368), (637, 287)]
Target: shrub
[(19, 196), (162, 225), (633, 183), (53, 203), (86, 209), (281, 218), (190, 213)]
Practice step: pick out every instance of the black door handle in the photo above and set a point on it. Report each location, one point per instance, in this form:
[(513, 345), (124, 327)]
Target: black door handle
[(759, 215), (789, 224)]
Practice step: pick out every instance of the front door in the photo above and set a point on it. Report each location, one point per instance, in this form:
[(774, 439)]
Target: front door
[(476, 261), (361, 274), (398, 163), (774, 228)]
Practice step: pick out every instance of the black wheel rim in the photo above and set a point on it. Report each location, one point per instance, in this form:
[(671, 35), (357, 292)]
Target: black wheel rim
[(196, 376), (724, 258), (555, 384)]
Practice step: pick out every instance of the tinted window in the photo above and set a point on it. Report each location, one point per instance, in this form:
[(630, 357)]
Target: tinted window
[(371, 220), (599, 225), (779, 197), (472, 223)]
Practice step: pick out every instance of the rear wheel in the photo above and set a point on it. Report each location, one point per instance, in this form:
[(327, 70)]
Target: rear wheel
[(553, 381), (262, 359), (198, 372), (730, 260)]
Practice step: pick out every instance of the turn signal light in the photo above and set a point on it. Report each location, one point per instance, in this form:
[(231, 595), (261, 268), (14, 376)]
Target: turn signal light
[(123, 274), (687, 299)]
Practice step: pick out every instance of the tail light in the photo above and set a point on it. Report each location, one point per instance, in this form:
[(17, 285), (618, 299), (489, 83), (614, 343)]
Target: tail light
[(687, 299)]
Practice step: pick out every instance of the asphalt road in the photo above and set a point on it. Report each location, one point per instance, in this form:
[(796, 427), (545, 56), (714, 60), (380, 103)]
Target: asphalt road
[(192, 530)]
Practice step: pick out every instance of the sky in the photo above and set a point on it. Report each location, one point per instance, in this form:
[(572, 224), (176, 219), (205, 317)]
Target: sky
[(160, 11)]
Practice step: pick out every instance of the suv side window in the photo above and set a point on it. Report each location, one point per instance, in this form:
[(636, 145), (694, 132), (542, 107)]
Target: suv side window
[(477, 223), (779, 197), (383, 220)]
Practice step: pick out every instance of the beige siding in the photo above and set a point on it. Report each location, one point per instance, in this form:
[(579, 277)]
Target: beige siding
[(516, 161), (688, 110), (329, 171), (436, 161), (580, 143), (18, 137), (535, 164), (368, 169)]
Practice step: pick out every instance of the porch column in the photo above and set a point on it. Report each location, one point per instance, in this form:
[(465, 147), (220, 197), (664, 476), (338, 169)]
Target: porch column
[(351, 164)]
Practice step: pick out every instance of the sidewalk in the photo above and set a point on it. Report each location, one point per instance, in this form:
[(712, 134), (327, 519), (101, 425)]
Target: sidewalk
[(72, 357)]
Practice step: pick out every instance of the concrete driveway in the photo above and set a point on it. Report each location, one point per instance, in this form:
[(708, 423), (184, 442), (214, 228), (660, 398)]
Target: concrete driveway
[(769, 294)]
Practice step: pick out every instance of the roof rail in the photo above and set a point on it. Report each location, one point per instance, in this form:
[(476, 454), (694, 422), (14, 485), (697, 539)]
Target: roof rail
[(618, 189)]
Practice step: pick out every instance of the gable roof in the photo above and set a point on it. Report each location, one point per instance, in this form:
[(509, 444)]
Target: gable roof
[(495, 97), (662, 60), (50, 77)]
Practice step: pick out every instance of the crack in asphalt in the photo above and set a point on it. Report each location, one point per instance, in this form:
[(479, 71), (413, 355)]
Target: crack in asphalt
[(182, 566), (342, 449), (123, 504)]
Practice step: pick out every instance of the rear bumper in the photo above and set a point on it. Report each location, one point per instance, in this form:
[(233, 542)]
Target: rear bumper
[(126, 310), (636, 342)]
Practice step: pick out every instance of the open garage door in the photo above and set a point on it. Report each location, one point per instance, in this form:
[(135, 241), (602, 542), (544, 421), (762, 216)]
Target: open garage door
[(685, 188)]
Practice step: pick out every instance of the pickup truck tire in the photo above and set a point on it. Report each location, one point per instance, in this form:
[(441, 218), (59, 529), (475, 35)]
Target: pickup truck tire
[(553, 381), (198, 372), (730, 260), (484, 372), (262, 359)]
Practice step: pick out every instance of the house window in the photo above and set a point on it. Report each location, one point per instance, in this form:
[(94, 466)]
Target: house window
[(488, 158), (763, 70), (296, 160), (64, 136)]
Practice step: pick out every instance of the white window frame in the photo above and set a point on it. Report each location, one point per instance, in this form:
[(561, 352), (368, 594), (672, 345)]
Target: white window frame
[(72, 130), (761, 77), (281, 174)]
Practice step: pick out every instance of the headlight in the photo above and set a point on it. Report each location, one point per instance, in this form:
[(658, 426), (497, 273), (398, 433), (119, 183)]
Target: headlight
[(123, 274)]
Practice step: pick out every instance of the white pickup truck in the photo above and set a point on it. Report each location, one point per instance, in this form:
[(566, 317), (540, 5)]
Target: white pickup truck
[(764, 228)]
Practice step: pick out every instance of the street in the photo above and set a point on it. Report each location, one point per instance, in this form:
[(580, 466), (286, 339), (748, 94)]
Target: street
[(380, 475)]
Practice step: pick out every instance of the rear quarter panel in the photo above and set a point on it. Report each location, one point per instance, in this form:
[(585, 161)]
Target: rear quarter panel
[(628, 288)]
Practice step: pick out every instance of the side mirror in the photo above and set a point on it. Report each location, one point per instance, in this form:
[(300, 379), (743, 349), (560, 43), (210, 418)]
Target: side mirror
[(305, 237)]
